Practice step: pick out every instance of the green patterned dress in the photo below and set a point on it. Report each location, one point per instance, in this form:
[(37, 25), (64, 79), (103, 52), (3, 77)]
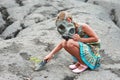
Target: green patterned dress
[(89, 52)]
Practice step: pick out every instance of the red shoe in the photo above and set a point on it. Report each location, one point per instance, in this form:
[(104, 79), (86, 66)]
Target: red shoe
[(77, 70)]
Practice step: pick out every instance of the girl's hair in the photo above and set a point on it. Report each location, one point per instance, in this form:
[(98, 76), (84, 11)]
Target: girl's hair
[(64, 15)]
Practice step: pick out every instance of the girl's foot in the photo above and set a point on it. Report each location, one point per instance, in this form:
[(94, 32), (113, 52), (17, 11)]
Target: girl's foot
[(74, 66), (80, 69)]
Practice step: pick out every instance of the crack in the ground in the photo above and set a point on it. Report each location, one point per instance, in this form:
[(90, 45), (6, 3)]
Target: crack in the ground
[(19, 2), (13, 36), (86, 1), (114, 17), (114, 71), (5, 17), (108, 60), (69, 78)]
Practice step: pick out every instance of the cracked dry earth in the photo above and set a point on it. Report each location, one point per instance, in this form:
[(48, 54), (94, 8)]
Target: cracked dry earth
[(27, 30)]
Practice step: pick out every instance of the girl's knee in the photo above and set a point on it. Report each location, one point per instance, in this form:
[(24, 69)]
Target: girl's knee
[(70, 43), (64, 43)]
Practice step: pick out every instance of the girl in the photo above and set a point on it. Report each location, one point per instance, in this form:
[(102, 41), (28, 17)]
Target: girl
[(84, 45)]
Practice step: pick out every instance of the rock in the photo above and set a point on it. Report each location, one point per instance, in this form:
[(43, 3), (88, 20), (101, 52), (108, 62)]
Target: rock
[(8, 4), (112, 7), (33, 33), (2, 27), (12, 30)]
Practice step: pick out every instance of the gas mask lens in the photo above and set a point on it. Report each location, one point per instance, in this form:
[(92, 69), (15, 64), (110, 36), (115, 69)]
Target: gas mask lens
[(72, 31), (61, 29)]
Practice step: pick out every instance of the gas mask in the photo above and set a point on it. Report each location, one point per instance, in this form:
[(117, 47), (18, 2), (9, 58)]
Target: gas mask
[(65, 28)]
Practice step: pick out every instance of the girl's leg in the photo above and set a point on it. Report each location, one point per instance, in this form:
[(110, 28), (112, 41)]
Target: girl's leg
[(72, 47)]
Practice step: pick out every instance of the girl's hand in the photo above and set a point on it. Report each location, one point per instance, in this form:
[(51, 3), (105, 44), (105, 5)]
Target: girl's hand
[(76, 37), (48, 57)]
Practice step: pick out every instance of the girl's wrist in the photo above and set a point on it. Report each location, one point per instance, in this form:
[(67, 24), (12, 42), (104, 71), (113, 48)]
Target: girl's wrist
[(52, 55), (81, 40)]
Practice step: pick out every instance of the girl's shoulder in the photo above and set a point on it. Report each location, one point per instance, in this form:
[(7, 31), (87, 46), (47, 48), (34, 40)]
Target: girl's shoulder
[(82, 24)]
